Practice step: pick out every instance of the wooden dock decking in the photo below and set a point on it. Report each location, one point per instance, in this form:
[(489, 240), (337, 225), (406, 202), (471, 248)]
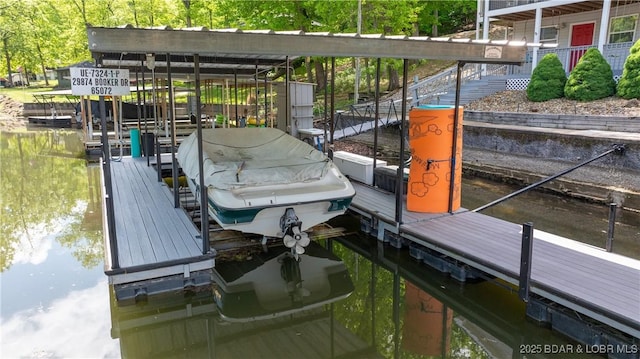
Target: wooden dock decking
[(154, 238), (591, 281)]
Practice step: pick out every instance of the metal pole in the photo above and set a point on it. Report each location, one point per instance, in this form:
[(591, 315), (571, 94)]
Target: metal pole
[(257, 96), (266, 99), (619, 149), (106, 165), (377, 117), (155, 122), (171, 117), (288, 127), (235, 85), (144, 114), (403, 130), (454, 147), (525, 261), (204, 206), (138, 100), (326, 104), (612, 224), (333, 109)]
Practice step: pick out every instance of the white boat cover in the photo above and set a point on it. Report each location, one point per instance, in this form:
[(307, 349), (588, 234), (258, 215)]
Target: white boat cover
[(258, 156)]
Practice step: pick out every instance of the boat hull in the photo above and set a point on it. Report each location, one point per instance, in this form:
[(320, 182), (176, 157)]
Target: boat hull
[(265, 220), (251, 187)]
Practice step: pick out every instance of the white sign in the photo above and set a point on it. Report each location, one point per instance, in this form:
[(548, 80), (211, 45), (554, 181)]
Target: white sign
[(493, 52), (99, 81)]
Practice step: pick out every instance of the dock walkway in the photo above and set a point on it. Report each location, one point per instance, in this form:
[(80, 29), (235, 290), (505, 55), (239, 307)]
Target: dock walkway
[(601, 285), (154, 239)]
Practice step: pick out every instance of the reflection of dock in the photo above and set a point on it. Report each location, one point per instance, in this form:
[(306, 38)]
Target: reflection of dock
[(192, 328), (154, 239), (50, 121), (491, 315), (590, 281), (174, 325)]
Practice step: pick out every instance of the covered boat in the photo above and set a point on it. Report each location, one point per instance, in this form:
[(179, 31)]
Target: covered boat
[(264, 181)]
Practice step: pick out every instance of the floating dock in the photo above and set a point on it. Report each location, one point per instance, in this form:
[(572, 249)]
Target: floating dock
[(592, 282), (154, 239), (50, 121)]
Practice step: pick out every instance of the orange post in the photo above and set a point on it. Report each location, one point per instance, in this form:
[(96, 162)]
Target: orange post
[(431, 143)]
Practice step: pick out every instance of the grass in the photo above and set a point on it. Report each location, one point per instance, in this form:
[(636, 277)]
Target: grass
[(25, 94)]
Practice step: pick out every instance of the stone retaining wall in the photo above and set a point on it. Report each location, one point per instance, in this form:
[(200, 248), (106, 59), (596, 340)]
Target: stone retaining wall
[(565, 121), (558, 146)]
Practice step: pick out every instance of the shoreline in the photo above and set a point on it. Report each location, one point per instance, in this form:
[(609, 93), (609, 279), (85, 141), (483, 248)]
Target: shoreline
[(582, 184)]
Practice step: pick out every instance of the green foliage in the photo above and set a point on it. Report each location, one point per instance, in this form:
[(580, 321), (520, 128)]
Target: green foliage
[(52, 33), (591, 79), (547, 80), (629, 83), (453, 16)]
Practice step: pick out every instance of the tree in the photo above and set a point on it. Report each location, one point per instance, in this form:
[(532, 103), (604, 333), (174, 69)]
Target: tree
[(547, 80), (629, 83), (591, 79), (445, 17)]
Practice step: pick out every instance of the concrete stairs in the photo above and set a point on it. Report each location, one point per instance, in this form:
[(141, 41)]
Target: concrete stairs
[(472, 90)]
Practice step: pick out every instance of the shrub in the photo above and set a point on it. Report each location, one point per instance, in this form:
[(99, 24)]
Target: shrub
[(547, 80), (629, 83), (591, 79)]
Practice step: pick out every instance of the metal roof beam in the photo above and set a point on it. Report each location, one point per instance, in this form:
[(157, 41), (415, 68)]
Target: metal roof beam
[(278, 44)]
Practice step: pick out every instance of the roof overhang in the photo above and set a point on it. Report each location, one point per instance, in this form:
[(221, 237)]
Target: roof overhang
[(230, 51), (509, 14)]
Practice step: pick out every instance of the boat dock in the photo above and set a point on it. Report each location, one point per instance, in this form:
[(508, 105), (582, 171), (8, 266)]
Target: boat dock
[(51, 121), (564, 273), (154, 239)]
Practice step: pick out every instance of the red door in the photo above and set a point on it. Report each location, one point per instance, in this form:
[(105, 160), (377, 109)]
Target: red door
[(581, 35)]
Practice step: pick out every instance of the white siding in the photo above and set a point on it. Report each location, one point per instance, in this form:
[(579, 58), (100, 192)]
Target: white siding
[(522, 29)]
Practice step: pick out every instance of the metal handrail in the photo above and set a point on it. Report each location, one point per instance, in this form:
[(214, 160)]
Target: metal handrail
[(618, 149)]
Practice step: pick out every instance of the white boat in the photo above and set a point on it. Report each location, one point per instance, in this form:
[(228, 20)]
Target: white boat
[(264, 181)]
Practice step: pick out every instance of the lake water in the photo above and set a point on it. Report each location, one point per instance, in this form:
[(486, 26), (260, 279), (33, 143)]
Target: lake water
[(56, 301)]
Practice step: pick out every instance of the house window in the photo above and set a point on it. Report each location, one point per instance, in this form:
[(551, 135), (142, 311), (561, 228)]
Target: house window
[(549, 34), (622, 28)]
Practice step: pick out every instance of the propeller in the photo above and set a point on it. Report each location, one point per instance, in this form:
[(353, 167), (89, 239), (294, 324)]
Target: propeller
[(297, 241)]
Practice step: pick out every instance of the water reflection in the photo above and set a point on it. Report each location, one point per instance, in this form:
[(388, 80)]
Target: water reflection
[(398, 309), (53, 290), (56, 301), (45, 188), (273, 283), (72, 326)]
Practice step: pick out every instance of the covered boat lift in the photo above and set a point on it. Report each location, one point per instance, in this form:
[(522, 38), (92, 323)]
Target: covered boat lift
[(231, 53), (204, 52)]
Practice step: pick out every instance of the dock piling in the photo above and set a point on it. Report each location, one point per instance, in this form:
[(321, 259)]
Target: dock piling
[(612, 224), (525, 261)]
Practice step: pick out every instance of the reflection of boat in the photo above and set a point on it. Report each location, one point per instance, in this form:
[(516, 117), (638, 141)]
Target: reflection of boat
[(264, 181), (274, 283), (174, 325)]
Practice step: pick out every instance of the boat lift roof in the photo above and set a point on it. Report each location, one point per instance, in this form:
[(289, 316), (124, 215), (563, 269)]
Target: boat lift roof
[(245, 52)]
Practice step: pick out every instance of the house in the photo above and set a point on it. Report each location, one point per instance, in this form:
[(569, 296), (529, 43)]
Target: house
[(575, 26), (50, 74), (63, 74)]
